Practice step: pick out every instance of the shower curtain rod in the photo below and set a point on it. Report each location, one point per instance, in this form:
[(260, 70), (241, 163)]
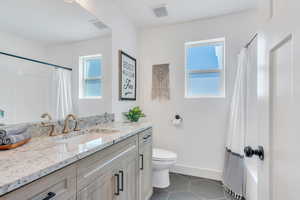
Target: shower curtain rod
[(36, 61), (252, 39)]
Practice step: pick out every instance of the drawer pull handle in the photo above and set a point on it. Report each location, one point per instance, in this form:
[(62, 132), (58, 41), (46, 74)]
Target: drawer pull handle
[(49, 196), (117, 192), (146, 137), (122, 180), (142, 161)]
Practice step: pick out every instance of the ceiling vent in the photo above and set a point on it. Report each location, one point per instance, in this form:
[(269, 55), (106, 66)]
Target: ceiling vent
[(160, 11), (100, 25)]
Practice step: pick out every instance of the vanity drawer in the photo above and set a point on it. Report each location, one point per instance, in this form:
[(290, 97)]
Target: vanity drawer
[(60, 184), (98, 164), (145, 137)]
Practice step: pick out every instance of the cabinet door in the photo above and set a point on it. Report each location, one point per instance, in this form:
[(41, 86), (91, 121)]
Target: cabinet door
[(130, 176), (60, 185), (102, 188), (146, 171), (99, 163), (113, 179)]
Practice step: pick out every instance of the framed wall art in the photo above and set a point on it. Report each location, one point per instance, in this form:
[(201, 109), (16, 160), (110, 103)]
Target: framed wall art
[(127, 77)]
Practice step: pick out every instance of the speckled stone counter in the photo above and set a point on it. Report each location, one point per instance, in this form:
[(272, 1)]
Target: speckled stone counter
[(36, 129), (44, 155)]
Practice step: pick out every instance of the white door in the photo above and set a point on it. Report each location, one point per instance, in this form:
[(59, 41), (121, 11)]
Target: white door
[(279, 101)]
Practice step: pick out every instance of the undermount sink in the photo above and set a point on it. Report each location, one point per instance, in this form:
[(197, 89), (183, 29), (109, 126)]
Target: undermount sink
[(78, 135), (103, 130)]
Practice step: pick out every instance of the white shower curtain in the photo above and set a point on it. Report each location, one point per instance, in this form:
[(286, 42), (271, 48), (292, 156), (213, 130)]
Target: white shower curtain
[(237, 123), (63, 104), (234, 168)]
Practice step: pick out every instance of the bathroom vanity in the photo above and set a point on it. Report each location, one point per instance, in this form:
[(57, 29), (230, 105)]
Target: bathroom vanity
[(87, 157), (87, 166)]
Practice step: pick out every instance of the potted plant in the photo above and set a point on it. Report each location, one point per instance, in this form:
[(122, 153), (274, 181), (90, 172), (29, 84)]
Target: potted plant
[(134, 114)]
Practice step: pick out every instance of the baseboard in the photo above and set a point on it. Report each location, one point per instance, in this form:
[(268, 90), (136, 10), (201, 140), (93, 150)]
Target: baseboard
[(149, 196), (198, 172)]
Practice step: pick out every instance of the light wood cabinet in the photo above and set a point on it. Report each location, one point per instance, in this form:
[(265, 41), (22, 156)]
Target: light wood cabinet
[(122, 171), (100, 188), (98, 164), (145, 151), (130, 176), (60, 185), (109, 174)]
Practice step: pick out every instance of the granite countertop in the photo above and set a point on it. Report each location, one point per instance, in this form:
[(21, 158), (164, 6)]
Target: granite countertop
[(44, 155)]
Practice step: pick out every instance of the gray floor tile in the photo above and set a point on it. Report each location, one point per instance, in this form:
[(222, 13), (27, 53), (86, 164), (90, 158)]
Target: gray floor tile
[(179, 183), (190, 188), (207, 189), (160, 195), (195, 178), (183, 196)]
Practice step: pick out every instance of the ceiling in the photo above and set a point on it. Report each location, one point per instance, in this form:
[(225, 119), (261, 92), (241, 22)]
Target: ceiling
[(48, 21), (140, 11)]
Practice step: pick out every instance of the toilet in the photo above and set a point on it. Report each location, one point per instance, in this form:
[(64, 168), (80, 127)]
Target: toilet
[(162, 161)]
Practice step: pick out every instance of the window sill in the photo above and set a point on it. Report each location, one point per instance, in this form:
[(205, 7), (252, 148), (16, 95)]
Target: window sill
[(89, 98), (206, 97)]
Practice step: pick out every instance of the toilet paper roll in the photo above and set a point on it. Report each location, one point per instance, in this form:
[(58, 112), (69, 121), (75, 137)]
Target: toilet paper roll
[(177, 122)]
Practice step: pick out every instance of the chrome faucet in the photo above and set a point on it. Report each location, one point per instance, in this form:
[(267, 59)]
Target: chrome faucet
[(48, 124), (106, 116), (66, 125), (46, 115)]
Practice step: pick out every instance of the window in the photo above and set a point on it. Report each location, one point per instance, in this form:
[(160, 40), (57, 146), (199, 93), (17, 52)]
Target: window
[(204, 70), (90, 75)]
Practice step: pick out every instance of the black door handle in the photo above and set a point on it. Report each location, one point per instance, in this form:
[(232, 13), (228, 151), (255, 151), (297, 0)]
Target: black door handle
[(142, 158), (249, 152), (49, 196), (122, 180), (117, 192)]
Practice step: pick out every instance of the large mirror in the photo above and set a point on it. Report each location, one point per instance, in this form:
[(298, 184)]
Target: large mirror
[(54, 55)]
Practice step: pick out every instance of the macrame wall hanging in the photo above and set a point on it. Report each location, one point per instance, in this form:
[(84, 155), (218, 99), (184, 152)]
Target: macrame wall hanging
[(160, 82)]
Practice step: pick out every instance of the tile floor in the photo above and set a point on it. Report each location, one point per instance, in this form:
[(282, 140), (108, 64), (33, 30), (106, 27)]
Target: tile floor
[(190, 188)]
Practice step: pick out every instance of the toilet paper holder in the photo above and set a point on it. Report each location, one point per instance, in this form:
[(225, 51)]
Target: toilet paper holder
[(178, 117), (177, 120)]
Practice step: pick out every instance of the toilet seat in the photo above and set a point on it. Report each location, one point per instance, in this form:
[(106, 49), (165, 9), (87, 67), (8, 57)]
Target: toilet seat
[(163, 155)]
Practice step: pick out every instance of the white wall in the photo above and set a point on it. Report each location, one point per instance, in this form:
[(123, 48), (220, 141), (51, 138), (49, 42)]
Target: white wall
[(124, 37), (68, 55), (24, 85), (200, 141)]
